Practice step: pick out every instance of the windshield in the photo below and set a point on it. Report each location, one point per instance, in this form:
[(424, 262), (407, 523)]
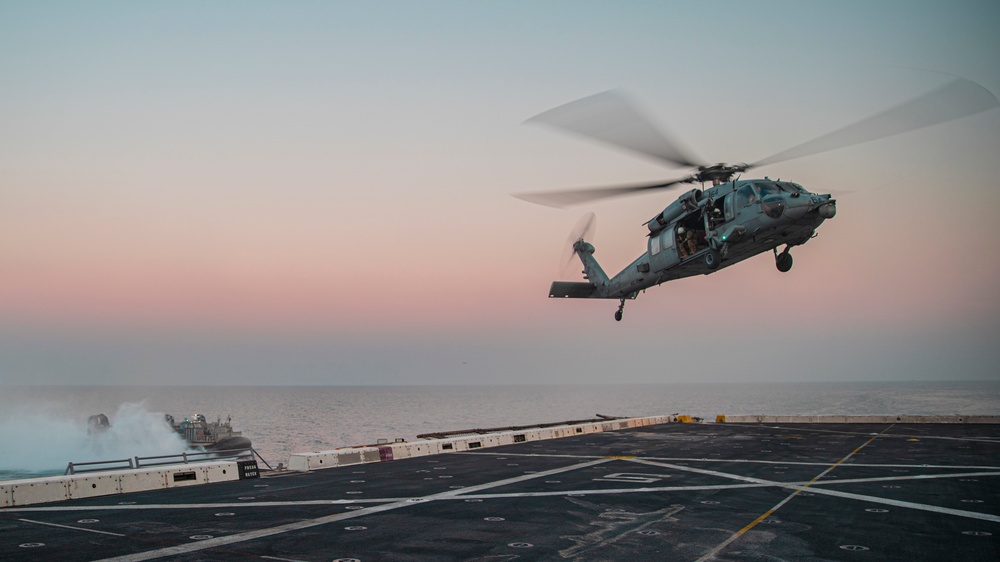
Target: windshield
[(745, 196), (771, 187)]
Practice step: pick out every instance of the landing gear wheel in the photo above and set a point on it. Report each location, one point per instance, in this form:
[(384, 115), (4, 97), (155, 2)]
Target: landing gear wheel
[(618, 315), (712, 259), (620, 311), (783, 261)]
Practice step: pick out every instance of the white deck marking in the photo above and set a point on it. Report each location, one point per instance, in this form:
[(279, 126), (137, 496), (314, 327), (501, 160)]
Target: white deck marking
[(908, 477), (802, 486), (612, 491), (826, 463), (758, 461), (141, 507), (862, 434), (305, 524), (476, 492), (711, 553), (71, 527), (898, 503)]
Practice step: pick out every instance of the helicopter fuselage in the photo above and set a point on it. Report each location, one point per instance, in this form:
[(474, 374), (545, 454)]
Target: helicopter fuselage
[(707, 230), (704, 231)]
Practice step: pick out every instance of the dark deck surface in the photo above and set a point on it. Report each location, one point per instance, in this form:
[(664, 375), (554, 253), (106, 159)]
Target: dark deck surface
[(669, 492)]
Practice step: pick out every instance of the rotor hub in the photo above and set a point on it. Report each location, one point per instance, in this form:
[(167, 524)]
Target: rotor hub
[(719, 173)]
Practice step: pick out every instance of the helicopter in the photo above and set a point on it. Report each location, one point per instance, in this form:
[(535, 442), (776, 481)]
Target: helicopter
[(707, 229)]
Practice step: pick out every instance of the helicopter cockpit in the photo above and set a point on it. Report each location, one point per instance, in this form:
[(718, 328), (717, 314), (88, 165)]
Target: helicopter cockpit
[(746, 196), (769, 187)]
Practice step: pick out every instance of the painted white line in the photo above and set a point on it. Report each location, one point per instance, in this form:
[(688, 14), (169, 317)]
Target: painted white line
[(305, 524), (862, 434), (825, 463), (517, 479), (464, 493), (251, 535), (606, 491), (71, 527), (799, 486), (705, 471), (759, 461), (281, 559), (710, 555), (141, 507), (900, 478), (897, 503)]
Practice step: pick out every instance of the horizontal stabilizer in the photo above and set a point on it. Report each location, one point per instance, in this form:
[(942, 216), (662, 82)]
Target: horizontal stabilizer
[(571, 290)]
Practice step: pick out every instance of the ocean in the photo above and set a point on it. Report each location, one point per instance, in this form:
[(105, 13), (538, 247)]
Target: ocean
[(42, 428)]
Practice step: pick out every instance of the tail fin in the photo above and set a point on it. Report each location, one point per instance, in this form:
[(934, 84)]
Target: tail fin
[(592, 271)]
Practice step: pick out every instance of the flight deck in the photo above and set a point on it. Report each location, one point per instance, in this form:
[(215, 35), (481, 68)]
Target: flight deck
[(773, 489)]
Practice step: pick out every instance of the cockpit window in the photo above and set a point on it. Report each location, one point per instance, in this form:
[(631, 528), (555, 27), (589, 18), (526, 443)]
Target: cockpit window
[(770, 187), (767, 188), (746, 196)]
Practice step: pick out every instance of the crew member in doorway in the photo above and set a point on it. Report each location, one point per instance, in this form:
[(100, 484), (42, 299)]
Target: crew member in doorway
[(687, 243), (715, 218)]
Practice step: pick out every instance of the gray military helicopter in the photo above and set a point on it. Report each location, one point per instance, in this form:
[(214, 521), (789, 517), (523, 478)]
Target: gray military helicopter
[(710, 228)]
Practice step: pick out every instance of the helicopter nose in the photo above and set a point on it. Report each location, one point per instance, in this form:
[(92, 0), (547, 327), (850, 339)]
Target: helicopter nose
[(828, 210), (773, 207), (797, 211)]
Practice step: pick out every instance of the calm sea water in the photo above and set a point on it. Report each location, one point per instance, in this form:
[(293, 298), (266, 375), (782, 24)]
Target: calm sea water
[(44, 428)]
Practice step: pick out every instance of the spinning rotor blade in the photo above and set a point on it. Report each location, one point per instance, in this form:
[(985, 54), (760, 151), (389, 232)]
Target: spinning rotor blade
[(575, 196), (954, 100), (585, 228), (612, 118)]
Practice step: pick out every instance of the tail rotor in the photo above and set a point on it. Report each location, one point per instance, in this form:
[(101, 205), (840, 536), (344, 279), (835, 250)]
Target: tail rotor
[(584, 229)]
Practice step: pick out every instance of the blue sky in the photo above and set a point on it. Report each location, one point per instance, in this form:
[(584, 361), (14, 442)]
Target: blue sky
[(318, 192)]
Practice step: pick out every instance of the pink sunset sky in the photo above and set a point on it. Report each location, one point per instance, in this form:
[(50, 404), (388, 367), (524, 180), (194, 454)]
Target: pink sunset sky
[(304, 193)]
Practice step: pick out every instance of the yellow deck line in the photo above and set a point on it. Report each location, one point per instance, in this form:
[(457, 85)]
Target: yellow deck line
[(711, 554)]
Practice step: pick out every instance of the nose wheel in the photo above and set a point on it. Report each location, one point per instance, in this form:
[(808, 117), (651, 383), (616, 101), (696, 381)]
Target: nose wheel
[(783, 260), (621, 310)]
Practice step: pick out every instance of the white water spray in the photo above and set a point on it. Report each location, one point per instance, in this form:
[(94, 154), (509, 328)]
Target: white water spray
[(37, 441)]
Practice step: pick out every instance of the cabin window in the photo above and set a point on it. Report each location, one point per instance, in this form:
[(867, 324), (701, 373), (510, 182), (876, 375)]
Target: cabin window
[(746, 196), (654, 245), (666, 239), (730, 212)]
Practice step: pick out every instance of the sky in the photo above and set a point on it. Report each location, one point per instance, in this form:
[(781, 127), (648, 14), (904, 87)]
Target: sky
[(243, 193)]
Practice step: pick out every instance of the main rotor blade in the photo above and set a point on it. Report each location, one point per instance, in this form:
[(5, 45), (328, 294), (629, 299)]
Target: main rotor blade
[(612, 118), (576, 196), (957, 99)]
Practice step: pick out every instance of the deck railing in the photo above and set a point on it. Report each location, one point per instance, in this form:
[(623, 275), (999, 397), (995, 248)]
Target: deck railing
[(163, 460)]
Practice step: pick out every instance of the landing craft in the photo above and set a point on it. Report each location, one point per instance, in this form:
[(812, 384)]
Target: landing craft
[(710, 228)]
